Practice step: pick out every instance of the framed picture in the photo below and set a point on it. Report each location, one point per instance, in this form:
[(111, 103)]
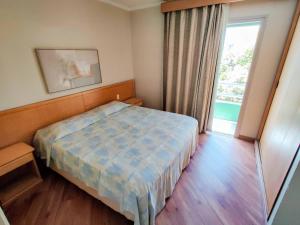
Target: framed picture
[(65, 69)]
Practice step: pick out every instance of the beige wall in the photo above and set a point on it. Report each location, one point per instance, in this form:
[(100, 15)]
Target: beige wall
[(278, 15), (130, 46), (149, 22), (147, 42), (30, 24), (3, 219)]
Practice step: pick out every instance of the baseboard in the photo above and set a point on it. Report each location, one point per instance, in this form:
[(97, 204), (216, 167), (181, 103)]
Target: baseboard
[(261, 179), (246, 138)]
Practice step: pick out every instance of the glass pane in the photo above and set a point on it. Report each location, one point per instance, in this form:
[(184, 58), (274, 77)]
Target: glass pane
[(239, 46)]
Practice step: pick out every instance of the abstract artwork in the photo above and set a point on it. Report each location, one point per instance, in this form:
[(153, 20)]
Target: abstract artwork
[(67, 68)]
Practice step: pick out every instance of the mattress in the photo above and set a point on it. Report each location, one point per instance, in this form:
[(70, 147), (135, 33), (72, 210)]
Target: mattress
[(131, 155)]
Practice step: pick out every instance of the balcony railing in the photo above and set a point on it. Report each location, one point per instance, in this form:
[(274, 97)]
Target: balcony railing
[(230, 91), (228, 100)]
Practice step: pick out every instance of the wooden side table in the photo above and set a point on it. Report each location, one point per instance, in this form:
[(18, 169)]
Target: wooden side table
[(18, 172), (134, 101)]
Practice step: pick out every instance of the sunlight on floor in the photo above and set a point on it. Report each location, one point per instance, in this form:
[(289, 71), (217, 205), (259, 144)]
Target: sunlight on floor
[(223, 126)]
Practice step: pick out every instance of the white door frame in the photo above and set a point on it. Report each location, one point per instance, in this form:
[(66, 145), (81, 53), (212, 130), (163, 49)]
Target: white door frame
[(232, 22)]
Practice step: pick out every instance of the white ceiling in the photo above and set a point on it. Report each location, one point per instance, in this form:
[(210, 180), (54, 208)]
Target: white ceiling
[(131, 5)]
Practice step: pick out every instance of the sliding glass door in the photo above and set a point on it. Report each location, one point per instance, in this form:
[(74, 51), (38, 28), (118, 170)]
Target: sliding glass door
[(237, 57)]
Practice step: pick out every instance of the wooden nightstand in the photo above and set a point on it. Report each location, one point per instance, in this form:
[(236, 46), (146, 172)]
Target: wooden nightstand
[(134, 101), (18, 171)]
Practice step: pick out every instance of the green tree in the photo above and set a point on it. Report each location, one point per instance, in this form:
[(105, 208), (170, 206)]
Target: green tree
[(246, 58), (233, 64)]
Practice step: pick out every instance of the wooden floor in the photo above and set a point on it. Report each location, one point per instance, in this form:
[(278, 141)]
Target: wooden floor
[(219, 187)]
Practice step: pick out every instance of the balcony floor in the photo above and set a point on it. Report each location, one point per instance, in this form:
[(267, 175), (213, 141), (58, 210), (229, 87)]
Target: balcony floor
[(225, 110)]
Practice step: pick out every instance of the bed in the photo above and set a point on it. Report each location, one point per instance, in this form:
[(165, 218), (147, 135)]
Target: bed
[(129, 157)]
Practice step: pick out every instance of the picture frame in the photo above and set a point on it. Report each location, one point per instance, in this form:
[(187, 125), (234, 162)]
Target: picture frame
[(65, 69)]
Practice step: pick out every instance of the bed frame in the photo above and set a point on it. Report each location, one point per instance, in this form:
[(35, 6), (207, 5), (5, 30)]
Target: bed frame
[(20, 124)]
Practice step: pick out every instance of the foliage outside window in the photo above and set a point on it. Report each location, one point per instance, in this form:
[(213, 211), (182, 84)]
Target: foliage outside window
[(233, 75)]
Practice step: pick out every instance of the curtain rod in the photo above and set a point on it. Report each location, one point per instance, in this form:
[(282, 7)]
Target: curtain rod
[(175, 5)]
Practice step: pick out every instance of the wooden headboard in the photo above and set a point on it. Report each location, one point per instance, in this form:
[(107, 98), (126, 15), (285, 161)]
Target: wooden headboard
[(20, 124)]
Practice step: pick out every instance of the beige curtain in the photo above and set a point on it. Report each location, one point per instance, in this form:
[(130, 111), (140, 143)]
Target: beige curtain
[(191, 53)]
